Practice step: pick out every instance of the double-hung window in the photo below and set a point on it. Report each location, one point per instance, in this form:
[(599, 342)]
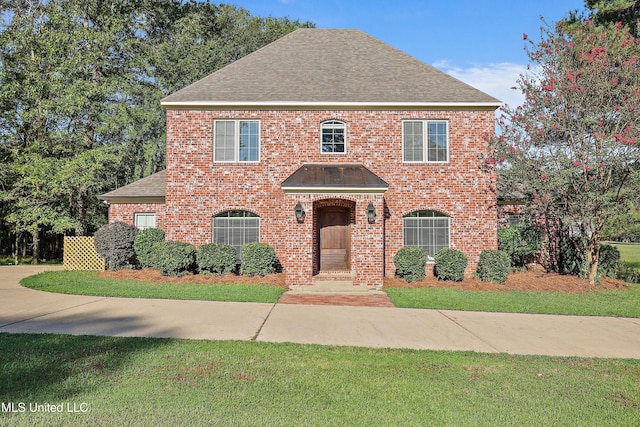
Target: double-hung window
[(425, 141), (428, 230), (236, 228), (145, 220), (333, 136), (236, 140)]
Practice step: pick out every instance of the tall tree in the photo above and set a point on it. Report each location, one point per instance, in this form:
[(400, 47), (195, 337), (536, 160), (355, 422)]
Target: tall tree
[(80, 89), (574, 143)]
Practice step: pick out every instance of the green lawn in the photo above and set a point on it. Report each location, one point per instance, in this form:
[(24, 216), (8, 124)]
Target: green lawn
[(629, 254), (138, 381), (88, 283), (622, 303)]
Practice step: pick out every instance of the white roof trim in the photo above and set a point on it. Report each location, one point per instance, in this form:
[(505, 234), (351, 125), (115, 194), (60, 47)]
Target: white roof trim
[(309, 190), (326, 104)]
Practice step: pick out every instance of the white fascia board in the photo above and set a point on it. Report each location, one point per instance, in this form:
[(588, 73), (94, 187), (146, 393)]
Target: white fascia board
[(290, 104), (332, 190)]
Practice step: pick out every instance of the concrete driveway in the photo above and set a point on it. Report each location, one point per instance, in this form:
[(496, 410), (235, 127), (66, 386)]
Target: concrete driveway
[(27, 311)]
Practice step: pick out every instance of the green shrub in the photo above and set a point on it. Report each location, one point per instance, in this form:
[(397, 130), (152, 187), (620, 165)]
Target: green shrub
[(173, 258), (450, 264), (216, 258), (493, 266), (410, 262), (258, 259), (571, 259), (114, 243), (609, 261), (144, 241), (519, 242)]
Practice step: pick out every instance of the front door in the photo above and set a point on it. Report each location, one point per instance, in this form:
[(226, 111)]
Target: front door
[(334, 239)]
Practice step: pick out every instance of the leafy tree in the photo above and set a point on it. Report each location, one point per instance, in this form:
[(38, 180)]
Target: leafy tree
[(612, 11), (80, 89), (574, 143)]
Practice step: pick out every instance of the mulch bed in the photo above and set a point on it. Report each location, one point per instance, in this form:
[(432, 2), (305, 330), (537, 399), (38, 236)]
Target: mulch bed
[(520, 281)]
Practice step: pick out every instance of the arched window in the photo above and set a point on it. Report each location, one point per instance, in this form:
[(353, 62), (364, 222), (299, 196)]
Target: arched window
[(428, 230), (333, 136), (236, 228)]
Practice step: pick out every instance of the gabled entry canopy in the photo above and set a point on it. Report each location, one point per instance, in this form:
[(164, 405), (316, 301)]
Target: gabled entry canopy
[(334, 178)]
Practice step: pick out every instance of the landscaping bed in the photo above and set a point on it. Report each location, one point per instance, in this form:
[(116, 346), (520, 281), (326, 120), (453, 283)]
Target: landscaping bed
[(518, 281)]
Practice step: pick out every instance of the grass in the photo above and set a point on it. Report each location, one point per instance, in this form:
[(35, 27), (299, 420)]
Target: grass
[(629, 254), (140, 381), (622, 303), (88, 283)]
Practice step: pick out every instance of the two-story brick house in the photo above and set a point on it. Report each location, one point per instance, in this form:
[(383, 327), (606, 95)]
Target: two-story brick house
[(333, 147)]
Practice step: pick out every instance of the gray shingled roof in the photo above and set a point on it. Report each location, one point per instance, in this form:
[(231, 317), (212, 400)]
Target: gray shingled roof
[(150, 188), (338, 177), (322, 66)]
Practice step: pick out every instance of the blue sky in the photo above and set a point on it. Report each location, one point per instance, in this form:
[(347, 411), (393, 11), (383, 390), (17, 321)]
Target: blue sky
[(478, 41)]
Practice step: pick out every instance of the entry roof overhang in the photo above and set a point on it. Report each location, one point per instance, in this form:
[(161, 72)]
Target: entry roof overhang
[(334, 178)]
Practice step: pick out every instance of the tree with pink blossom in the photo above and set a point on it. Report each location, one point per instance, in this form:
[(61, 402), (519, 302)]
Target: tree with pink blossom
[(574, 145)]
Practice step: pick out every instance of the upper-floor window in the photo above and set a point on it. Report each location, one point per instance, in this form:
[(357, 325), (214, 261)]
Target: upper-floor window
[(332, 136), (145, 220), (236, 141), (425, 140)]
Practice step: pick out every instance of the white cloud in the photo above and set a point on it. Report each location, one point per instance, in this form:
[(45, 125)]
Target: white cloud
[(495, 79)]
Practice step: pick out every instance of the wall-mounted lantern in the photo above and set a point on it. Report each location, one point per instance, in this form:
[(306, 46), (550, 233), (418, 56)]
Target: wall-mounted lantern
[(299, 213), (371, 213)]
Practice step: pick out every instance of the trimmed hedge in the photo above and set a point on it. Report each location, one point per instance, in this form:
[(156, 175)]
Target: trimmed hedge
[(494, 266), (450, 264), (114, 243), (173, 258), (258, 259), (144, 241), (216, 258), (410, 262)]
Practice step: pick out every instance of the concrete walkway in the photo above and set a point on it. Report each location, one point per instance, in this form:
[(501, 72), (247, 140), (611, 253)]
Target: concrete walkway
[(27, 311)]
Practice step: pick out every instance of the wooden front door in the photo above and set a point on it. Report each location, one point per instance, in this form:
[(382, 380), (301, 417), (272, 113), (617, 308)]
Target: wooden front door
[(334, 239)]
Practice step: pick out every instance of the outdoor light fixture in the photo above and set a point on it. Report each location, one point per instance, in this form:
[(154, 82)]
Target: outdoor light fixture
[(299, 213), (371, 213)]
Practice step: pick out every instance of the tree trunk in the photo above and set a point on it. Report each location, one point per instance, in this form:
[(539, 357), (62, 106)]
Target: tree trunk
[(36, 247), (593, 258)]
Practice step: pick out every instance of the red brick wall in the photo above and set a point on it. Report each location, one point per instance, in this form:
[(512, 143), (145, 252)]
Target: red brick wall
[(198, 188), (125, 212)]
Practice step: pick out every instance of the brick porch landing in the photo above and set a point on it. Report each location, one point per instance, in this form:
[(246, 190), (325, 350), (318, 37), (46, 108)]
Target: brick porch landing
[(336, 292), (352, 299)]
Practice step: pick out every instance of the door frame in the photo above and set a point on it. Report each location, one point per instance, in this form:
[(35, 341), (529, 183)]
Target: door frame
[(329, 204)]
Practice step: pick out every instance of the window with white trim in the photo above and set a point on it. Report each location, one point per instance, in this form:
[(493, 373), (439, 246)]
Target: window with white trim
[(145, 220), (236, 140), (425, 140), (333, 136), (428, 230), (236, 228)]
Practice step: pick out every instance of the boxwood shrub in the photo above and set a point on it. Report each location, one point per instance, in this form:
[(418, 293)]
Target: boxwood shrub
[(494, 266), (410, 262), (173, 258), (144, 241), (114, 243), (216, 258), (450, 264), (258, 259)]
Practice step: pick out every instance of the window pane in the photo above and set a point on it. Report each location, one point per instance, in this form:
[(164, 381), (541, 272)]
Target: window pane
[(236, 228), (428, 230), (224, 140), (332, 135), (413, 141)]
